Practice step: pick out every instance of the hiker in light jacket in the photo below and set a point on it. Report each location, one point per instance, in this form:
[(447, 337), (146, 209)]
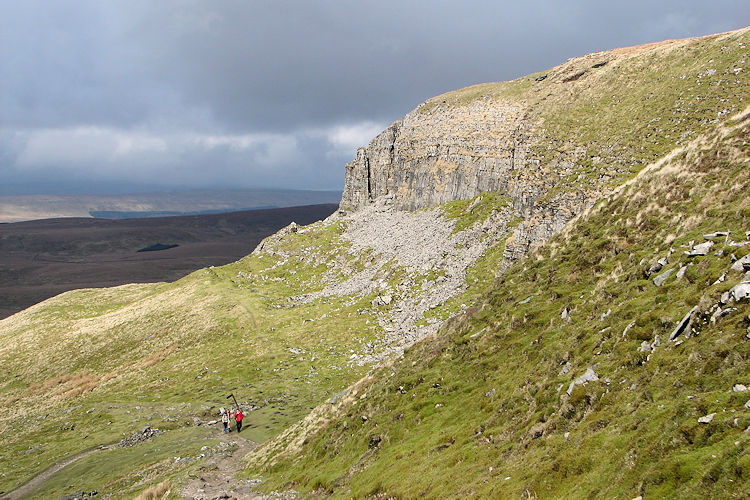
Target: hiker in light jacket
[(225, 420)]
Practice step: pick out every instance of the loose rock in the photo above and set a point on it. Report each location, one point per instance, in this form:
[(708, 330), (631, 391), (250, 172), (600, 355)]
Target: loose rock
[(699, 250), (742, 264), (660, 279), (682, 324), (707, 419), (715, 235), (589, 376)]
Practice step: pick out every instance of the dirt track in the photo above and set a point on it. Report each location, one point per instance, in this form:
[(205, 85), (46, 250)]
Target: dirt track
[(217, 474), (35, 482)]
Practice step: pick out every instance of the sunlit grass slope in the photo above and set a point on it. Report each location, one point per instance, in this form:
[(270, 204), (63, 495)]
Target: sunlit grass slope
[(482, 409), (90, 367)]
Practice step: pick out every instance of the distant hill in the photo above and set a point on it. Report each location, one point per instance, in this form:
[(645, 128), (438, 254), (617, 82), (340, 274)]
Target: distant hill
[(157, 204), (532, 289), (39, 259)]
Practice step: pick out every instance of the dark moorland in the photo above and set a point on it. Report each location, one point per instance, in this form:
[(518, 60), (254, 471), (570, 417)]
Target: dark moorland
[(42, 258)]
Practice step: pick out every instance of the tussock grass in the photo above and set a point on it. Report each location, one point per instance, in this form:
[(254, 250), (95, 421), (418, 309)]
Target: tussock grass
[(156, 492)]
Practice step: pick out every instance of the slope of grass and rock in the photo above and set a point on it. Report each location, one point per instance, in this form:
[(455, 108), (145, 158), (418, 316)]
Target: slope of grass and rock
[(612, 362)]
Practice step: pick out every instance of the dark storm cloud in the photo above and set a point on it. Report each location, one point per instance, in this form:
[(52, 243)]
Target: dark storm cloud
[(273, 93)]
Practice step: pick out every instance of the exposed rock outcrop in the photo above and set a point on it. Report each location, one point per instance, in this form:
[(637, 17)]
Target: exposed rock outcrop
[(449, 153)]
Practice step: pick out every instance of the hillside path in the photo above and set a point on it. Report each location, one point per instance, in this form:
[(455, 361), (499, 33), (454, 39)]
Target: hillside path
[(216, 477), (26, 489)]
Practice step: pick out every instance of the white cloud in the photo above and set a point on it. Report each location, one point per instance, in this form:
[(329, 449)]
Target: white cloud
[(347, 138)]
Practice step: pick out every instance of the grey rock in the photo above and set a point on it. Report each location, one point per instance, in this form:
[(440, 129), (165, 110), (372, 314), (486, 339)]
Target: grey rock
[(565, 313), (604, 315), (747, 405), (656, 267), (589, 376), (741, 264), (716, 234), (699, 250), (681, 272), (725, 298), (565, 369), (526, 300), (490, 393), (627, 328), (656, 343), (739, 388), (682, 324), (740, 291), (707, 419), (645, 347), (716, 315), (738, 243), (727, 312), (661, 278)]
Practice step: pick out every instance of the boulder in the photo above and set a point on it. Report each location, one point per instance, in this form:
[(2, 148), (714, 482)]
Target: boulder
[(660, 279), (589, 376), (699, 250), (716, 234), (682, 324), (740, 291), (681, 272), (739, 388), (742, 264), (707, 419)]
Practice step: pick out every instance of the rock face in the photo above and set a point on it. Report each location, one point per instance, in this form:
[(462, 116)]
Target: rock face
[(440, 155), (446, 153)]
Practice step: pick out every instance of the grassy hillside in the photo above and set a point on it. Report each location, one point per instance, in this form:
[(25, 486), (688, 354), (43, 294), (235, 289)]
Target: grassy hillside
[(627, 107), (90, 367), (483, 409)]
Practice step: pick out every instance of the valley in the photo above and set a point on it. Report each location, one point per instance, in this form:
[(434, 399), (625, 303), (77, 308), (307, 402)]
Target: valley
[(42, 258)]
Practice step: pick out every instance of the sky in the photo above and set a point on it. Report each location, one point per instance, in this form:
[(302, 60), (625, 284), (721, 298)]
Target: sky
[(136, 95)]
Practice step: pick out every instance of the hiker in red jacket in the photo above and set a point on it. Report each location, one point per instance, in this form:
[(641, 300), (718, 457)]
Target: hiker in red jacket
[(238, 416)]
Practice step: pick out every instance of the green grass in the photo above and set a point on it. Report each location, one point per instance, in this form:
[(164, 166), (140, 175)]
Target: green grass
[(467, 212), (129, 470), (101, 364), (175, 351), (116, 360), (635, 432)]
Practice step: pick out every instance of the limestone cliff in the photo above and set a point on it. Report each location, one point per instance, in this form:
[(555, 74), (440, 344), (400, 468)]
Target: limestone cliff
[(553, 142)]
